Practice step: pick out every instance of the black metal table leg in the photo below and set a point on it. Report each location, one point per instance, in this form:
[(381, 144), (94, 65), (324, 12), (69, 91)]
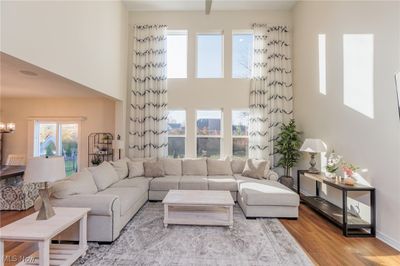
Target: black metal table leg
[(316, 188), (298, 182), (373, 213), (344, 195)]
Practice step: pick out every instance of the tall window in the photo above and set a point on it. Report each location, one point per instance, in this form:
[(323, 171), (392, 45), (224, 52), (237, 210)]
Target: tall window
[(210, 55), (177, 54), (58, 139), (176, 133), (240, 136), (322, 62), (358, 72), (242, 55), (209, 133)]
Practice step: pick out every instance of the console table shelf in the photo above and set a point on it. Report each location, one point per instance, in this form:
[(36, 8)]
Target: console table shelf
[(351, 224)]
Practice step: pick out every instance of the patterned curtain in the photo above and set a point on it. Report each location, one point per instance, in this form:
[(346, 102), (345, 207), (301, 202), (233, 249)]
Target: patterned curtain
[(271, 93), (148, 109)]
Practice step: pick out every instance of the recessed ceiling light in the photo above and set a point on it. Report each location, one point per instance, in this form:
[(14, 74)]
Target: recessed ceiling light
[(28, 73)]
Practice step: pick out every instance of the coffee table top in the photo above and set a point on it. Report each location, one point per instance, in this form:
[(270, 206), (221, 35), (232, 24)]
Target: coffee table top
[(199, 197)]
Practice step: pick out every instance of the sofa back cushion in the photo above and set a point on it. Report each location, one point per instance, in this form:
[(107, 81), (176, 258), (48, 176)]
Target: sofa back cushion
[(194, 167), (238, 165), (153, 169), (256, 168), (172, 167), (135, 168), (79, 183), (219, 167), (121, 167), (104, 175)]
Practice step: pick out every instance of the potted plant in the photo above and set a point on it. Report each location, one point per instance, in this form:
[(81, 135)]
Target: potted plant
[(288, 145)]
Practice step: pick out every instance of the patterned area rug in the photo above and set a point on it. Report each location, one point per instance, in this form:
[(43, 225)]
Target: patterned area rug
[(144, 241)]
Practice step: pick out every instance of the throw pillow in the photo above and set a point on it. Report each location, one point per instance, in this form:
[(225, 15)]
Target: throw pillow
[(79, 183), (194, 167), (153, 169), (238, 165), (172, 167), (135, 169), (219, 167), (104, 175), (255, 168), (121, 167)]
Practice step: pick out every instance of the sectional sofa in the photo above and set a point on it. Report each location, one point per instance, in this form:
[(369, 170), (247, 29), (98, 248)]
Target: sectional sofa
[(116, 191)]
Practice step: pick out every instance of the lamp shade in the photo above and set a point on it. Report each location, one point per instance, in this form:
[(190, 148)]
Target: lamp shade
[(118, 144), (313, 145), (41, 169)]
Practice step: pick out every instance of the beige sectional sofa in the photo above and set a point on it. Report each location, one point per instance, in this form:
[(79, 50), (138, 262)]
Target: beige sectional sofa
[(116, 191)]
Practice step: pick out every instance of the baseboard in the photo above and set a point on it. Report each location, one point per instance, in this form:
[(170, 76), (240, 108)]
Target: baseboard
[(388, 240)]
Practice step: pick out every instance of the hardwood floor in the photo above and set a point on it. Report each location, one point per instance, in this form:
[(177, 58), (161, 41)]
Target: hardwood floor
[(321, 240)]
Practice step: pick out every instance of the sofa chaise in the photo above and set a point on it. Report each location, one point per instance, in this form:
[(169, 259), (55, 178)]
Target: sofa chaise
[(116, 191)]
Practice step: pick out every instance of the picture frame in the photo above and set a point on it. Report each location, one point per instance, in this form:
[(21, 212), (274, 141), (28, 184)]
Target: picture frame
[(397, 85)]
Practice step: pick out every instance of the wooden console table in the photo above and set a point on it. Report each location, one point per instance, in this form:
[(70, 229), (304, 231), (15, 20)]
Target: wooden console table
[(351, 224)]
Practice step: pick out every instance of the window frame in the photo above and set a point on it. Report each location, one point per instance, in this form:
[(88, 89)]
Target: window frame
[(220, 136), (242, 136), (180, 33), (216, 32), (242, 32), (180, 136)]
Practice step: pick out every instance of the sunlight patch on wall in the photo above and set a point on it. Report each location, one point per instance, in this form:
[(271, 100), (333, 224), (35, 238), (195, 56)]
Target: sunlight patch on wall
[(322, 63), (358, 72)]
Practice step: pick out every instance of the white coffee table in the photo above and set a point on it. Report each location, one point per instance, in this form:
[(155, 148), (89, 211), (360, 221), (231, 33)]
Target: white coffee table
[(198, 207), (28, 229)]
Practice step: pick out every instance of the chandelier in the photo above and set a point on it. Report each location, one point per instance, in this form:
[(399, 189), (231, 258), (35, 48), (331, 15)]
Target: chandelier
[(7, 127)]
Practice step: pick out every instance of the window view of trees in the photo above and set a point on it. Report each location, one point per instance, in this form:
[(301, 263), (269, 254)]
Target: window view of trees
[(209, 131), (242, 55), (240, 139), (176, 133)]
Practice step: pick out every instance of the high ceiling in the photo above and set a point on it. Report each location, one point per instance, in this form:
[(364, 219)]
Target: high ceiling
[(21, 79), (217, 5)]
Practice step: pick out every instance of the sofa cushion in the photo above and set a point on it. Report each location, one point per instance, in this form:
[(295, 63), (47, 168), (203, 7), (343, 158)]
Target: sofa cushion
[(143, 182), (172, 166), (266, 193), (153, 169), (135, 168), (128, 196), (238, 165), (194, 167), (121, 167), (256, 168), (79, 183), (104, 175), (222, 183), (194, 183), (219, 167), (165, 183)]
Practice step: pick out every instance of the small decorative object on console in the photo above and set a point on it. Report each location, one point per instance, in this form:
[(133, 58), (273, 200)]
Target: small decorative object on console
[(348, 170), (333, 164)]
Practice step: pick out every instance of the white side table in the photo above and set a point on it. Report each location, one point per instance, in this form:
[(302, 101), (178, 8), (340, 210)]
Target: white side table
[(28, 229)]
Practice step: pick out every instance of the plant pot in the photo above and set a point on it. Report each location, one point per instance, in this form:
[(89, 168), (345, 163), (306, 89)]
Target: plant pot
[(287, 181)]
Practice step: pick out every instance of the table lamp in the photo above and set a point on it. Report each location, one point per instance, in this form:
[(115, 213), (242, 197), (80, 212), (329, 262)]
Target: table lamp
[(118, 144), (45, 169), (313, 146)]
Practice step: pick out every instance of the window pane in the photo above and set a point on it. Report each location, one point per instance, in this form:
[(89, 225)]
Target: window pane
[(47, 139), (322, 62), (69, 143), (176, 122), (209, 147), (240, 123), (358, 72), (240, 147), (209, 56), (209, 123), (177, 55), (242, 55), (176, 147)]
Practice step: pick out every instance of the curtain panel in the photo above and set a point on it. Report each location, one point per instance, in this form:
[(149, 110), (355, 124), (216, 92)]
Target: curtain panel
[(148, 107), (271, 92)]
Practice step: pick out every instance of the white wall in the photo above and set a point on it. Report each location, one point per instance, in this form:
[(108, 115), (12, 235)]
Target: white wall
[(85, 41), (373, 144), (192, 93)]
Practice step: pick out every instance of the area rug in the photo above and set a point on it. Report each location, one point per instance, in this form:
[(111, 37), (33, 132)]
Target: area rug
[(145, 241)]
